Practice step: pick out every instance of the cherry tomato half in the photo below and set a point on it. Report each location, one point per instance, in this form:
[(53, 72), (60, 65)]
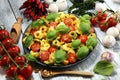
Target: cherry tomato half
[(35, 47), (72, 58), (65, 38), (83, 38), (52, 49), (44, 55)]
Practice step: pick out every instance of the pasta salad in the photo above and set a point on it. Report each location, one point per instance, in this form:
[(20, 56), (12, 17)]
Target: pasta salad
[(60, 38)]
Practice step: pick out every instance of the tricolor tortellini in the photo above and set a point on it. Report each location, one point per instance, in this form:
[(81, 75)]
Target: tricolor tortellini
[(57, 36)]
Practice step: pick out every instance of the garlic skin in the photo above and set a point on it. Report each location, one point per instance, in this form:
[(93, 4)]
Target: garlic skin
[(118, 36), (53, 7), (108, 41), (108, 56), (62, 5), (100, 6), (113, 31), (48, 1)]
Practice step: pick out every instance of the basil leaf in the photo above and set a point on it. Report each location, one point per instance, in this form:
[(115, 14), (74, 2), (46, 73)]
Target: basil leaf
[(28, 40), (104, 68), (30, 57), (52, 16)]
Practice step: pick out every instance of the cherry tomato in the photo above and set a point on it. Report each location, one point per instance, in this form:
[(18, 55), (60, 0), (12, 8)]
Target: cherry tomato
[(93, 21), (52, 24), (3, 34), (52, 49), (101, 16), (26, 71), (2, 52), (83, 38), (20, 77), (72, 28), (35, 47), (103, 25), (20, 60), (65, 38), (14, 51), (5, 61), (72, 58), (8, 42), (12, 71), (68, 21), (112, 22), (44, 55)]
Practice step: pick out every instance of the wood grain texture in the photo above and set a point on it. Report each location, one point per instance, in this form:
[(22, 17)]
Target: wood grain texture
[(8, 17)]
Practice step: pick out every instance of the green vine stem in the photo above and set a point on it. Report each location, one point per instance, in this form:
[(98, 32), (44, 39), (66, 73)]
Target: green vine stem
[(9, 55)]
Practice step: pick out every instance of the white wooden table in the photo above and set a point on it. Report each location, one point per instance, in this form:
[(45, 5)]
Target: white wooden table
[(9, 11)]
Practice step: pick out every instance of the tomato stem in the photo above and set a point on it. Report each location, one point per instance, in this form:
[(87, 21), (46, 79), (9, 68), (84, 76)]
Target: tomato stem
[(9, 55)]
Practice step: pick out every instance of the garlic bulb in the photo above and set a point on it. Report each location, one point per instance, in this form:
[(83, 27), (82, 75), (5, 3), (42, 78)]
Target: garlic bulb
[(118, 36), (113, 31), (108, 56), (108, 41), (48, 1), (53, 7), (62, 4), (118, 26), (100, 6)]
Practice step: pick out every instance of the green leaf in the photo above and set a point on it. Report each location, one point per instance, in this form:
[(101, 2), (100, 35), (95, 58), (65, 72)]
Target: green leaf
[(52, 16), (62, 29), (28, 40), (60, 56), (104, 68), (30, 57), (51, 35)]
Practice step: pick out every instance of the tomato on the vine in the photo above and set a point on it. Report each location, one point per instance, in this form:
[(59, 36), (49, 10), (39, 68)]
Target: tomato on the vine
[(2, 52), (101, 16), (112, 22), (12, 71), (72, 58), (44, 55), (93, 21), (3, 34), (103, 25), (20, 60), (66, 38), (14, 51), (26, 71), (83, 38), (8, 42), (35, 47), (5, 61), (52, 49)]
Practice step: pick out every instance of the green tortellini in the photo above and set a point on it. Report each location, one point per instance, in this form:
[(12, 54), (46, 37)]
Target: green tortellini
[(51, 35), (75, 44), (82, 52), (60, 56)]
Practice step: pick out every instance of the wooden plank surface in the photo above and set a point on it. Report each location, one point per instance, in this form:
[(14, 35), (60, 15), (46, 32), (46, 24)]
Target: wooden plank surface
[(7, 17)]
